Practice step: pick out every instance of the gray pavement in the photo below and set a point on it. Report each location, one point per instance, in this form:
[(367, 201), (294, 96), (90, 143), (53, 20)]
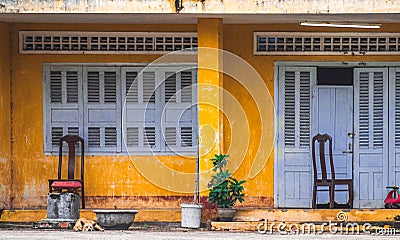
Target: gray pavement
[(150, 235)]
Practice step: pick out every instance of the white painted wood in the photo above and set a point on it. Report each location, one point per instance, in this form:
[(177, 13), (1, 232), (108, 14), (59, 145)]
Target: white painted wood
[(371, 158), (293, 172), (333, 114), (394, 126)]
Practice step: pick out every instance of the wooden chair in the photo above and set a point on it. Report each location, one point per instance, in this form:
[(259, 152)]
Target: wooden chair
[(71, 184), (331, 182)]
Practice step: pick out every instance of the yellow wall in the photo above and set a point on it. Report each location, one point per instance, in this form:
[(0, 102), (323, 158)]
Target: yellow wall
[(109, 180), (115, 180), (5, 130), (239, 40)]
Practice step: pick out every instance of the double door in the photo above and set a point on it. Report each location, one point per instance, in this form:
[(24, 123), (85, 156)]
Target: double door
[(363, 120)]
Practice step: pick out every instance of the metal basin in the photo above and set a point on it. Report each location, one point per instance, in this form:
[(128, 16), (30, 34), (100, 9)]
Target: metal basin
[(115, 218)]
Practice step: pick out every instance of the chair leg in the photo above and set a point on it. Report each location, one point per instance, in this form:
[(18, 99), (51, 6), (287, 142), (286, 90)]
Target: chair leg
[(83, 197), (350, 186), (314, 197), (331, 197)]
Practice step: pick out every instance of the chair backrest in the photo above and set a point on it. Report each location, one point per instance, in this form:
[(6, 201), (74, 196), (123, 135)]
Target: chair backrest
[(321, 139), (71, 141)]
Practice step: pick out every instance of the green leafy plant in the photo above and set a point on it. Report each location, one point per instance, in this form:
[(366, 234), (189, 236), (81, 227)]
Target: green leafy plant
[(225, 190)]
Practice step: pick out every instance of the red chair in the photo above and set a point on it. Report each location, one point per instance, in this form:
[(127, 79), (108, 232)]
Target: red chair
[(71, 184), (332, 182)]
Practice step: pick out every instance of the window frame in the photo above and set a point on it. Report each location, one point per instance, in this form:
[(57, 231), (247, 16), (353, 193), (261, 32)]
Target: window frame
[(50, 149)]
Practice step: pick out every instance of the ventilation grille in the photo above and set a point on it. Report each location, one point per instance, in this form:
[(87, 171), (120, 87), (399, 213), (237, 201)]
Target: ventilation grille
[(186, 137), (56, 42), (55, 87), (93, 87), (289, 43), (110, 87)]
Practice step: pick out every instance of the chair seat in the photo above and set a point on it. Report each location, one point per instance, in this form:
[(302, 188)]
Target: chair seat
[(66, 184)]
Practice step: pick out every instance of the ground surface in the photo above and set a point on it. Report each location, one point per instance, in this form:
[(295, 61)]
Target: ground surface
[(163, 235)]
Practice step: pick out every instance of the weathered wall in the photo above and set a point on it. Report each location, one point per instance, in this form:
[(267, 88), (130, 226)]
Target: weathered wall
[(5, 125), (238, 39), (198, 6), (110, 180), (115, 180)]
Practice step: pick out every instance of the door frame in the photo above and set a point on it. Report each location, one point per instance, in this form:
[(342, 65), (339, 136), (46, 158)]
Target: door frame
[(279, 64)]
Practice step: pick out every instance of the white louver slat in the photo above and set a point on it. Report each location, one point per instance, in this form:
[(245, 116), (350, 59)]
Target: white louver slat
[(56, 135), (110, 87), (170, 136), (186, 137), (93, 81), (55, 87), (186, 86), (170, 87), (131, 87), (304, 111), (378, 109), (132, 136), (110, 135), (149, 87), (94, 136), (290, 105), (72, 87), (364, 110), (150, 136)]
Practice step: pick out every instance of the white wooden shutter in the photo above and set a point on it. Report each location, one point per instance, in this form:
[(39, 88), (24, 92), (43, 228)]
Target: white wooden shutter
[(139, 120), (63, 104), (179, 91), (294, 164), (102, 113), (371, 139)]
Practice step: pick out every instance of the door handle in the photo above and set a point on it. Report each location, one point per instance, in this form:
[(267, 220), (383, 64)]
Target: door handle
[(347, 152)]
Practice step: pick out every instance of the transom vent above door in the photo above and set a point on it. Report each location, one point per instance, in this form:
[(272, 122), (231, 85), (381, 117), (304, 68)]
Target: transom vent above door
[(69, 42), (313, 43)]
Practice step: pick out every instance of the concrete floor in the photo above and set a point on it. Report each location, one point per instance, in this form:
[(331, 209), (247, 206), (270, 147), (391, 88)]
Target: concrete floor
[(150, 235)]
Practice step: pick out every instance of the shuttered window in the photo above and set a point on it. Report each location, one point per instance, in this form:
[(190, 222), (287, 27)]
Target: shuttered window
[(160, 110), (121, 109)]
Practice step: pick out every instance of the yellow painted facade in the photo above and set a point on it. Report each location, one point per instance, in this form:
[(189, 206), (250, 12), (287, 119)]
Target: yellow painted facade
[(5, 110), (230, 120)]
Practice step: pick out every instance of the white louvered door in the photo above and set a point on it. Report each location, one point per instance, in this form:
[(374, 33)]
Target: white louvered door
[(63, 95), (102, 114), (371, 146), (293, 167), (394, 126)]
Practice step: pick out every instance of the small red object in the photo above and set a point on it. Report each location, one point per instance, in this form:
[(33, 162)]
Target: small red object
[(66, 184)]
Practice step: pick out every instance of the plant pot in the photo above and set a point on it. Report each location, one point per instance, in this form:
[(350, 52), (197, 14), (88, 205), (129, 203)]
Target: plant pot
[(226, 214), (191, 215), (115, 218)]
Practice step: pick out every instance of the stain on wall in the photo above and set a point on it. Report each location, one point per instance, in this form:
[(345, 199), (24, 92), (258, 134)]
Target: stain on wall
[(5, 117)]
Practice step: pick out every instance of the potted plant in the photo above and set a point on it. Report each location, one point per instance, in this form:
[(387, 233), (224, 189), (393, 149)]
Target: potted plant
[(225, 190)]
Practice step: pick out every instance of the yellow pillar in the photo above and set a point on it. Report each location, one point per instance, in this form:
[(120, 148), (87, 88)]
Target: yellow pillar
[(210, 45), (5, 118)]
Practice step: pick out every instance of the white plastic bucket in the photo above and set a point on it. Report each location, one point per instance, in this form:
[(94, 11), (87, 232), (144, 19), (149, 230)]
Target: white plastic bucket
[(191, 215)]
